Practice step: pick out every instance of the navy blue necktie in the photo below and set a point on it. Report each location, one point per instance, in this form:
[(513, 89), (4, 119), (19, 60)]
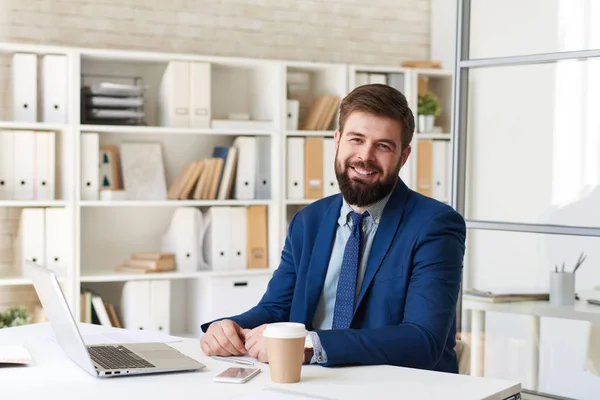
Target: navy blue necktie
[(346, 288)]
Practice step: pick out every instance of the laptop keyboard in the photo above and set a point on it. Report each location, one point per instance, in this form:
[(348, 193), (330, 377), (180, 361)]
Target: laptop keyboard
[(117, 357)]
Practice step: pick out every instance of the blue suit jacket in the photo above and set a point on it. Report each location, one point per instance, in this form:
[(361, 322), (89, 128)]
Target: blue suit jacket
[(406, 309)]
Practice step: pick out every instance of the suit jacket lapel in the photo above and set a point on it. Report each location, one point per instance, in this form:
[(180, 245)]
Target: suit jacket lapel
[(386, 232), (319, 259)]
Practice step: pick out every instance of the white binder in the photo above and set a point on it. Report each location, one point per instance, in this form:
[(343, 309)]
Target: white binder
[(330, 183), (439, 176), (54, 89), (30, 241), (24, 87), (7, 165), (238, 234), (174, 95), (24, 162), (292, 114), (217, 243), (90, 166), (200, 94), (160, 306), (295, 168), (57, 240), (361, 78), (262, 184), (245, 181), (44, 182), (184, 238), (378, 78), (135, 305)]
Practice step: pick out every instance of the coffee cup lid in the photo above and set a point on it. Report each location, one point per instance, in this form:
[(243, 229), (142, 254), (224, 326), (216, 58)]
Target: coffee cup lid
[(285, 330)]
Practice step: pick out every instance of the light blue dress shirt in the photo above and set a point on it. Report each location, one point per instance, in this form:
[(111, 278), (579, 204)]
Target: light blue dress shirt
[(323, 318)]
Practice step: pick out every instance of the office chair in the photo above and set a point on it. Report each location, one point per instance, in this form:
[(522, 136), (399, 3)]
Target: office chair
[(463, 355)]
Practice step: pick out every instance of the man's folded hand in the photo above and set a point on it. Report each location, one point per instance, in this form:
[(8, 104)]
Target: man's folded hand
[(223, 338)]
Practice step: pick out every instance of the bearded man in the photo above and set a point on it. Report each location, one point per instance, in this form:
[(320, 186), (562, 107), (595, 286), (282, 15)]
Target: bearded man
[(372, 272)]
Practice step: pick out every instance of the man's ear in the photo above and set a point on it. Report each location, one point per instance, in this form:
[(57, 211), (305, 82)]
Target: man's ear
[(405, 155), (336, 138)]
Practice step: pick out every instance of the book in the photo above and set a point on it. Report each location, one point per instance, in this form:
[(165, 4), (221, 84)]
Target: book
[(14, 355), (506, 295), (152, 255)]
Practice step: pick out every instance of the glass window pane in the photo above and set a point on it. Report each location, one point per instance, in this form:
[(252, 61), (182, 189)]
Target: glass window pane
[(498, 259), (534, 144), (525, 260), (517, 27)]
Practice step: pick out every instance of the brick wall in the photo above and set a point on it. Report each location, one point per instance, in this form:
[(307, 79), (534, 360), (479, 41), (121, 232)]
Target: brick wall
[(9, 226), (353, 31)]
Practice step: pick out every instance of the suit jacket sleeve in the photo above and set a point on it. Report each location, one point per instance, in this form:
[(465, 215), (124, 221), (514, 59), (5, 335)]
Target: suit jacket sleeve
[(430, 310), (276, 303)]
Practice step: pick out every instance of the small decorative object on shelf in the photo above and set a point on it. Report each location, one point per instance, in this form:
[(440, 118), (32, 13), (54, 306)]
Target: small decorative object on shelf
[(428, 108), (147, 262), (110, 173), (14, 316)]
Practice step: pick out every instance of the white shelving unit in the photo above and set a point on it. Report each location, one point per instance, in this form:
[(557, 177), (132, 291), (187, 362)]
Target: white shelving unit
[(102, 234)]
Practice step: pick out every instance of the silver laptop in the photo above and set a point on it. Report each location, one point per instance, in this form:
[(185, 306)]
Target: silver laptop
[(101, 360)]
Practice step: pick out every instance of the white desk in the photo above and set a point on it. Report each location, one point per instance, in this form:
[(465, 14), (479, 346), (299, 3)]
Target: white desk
[(581, 311), (54, 376)]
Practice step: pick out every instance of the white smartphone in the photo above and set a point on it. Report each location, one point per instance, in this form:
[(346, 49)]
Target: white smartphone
[(236, 375)]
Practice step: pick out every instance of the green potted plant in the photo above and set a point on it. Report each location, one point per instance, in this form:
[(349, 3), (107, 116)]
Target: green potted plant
[(428, 108), (14, 316)]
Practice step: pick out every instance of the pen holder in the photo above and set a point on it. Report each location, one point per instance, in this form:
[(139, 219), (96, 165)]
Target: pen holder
[(562, 288)]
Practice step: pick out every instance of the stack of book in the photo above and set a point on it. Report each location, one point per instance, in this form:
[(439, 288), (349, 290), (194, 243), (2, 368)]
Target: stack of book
[(321, 113), (148, 262), (209, 178), (95, 310)]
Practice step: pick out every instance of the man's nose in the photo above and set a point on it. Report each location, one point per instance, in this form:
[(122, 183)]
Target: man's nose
[(367, 152)]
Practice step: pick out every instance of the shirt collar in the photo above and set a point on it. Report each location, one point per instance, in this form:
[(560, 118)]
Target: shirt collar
[(375, 210)]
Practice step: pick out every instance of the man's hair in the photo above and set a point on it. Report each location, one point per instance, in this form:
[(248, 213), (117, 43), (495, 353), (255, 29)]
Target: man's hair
[(381, 100)]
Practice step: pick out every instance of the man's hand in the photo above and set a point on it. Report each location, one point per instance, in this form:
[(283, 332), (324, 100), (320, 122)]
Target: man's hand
[(256, 344), (223, 338)]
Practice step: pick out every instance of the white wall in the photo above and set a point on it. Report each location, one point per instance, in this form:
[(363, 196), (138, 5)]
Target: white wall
[(443, 32), (534, 156)]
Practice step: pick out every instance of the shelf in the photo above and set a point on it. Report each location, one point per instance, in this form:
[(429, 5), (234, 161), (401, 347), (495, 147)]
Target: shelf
[(433, 136), (580, 311), (32, 126), (32, 203), (310, 133), (7, 281), (173, 203), (160, 130), (301, 202), (14, 281), (112, 276)]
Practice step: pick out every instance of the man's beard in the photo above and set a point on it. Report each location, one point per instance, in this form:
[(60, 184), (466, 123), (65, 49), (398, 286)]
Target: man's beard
[(360, 193)]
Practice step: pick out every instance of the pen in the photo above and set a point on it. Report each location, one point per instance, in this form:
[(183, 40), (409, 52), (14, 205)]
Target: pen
[(579, 262), (232, 360)]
